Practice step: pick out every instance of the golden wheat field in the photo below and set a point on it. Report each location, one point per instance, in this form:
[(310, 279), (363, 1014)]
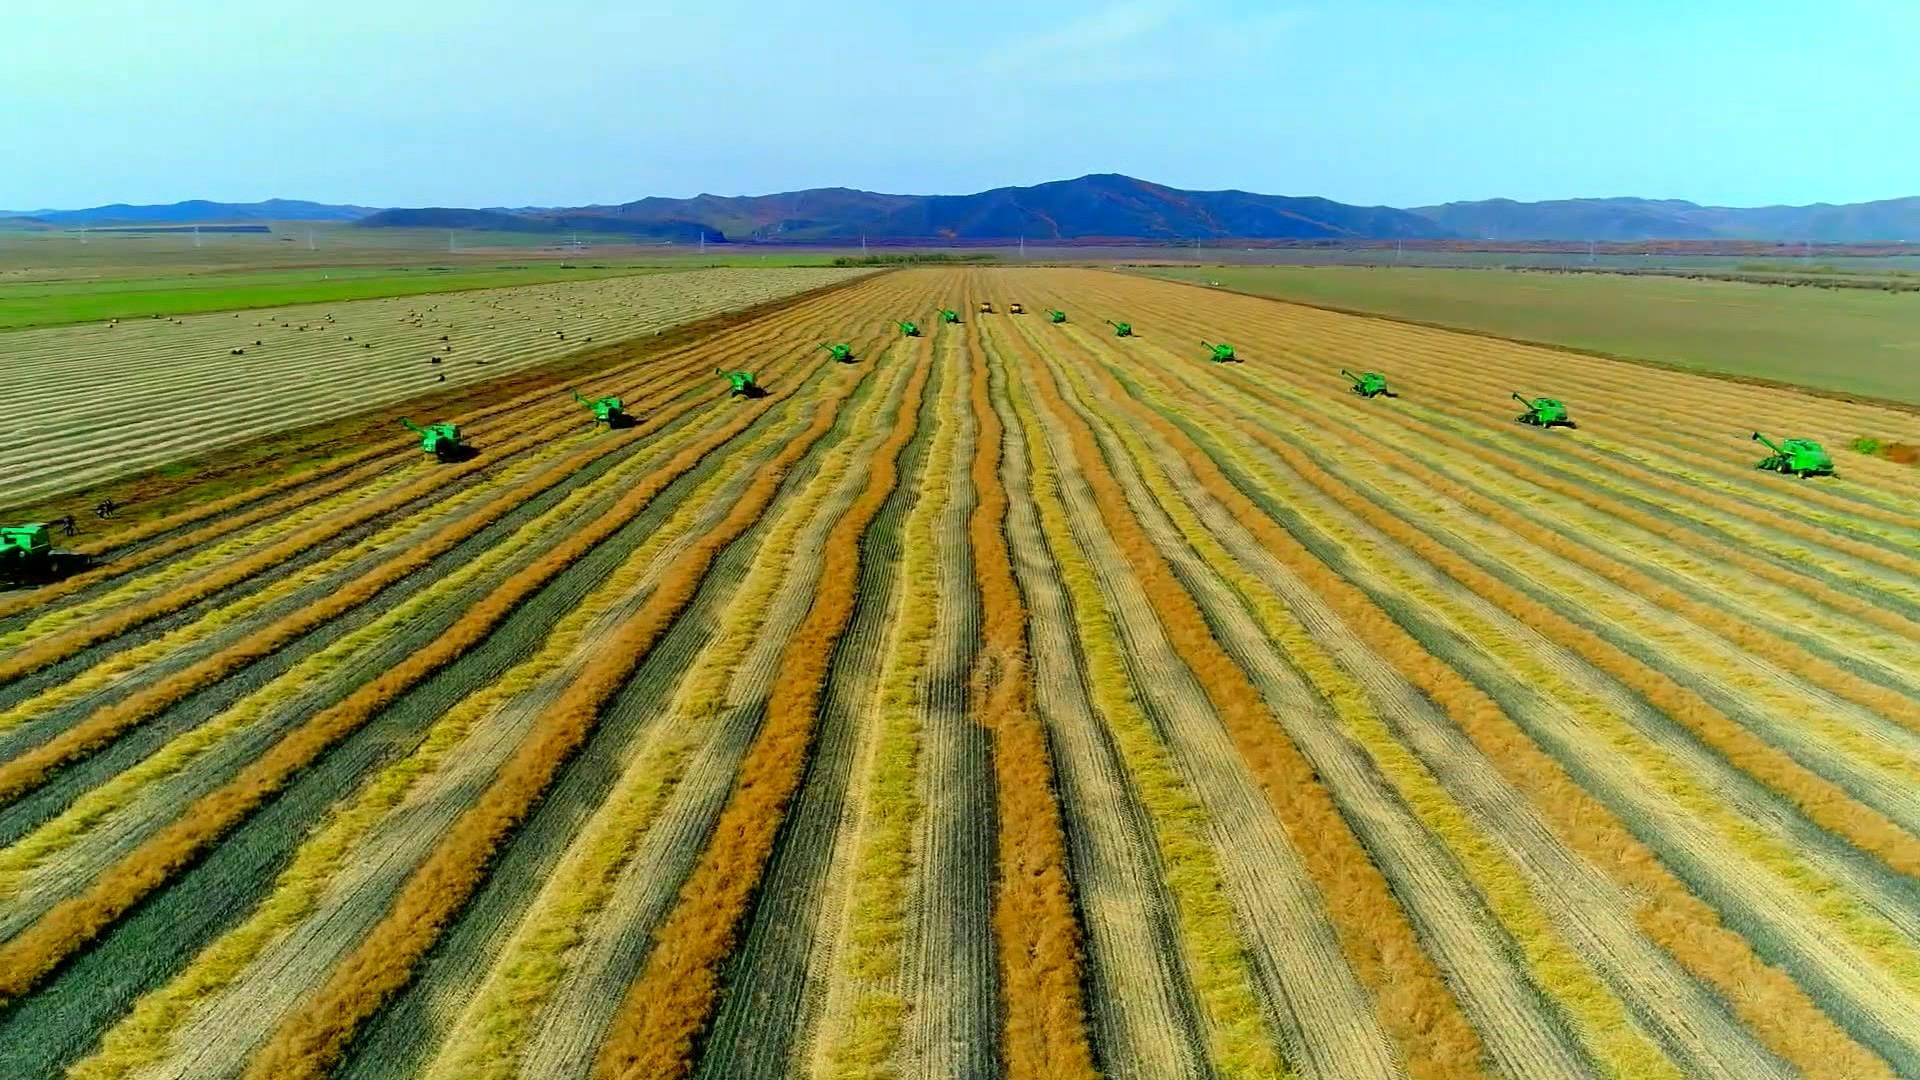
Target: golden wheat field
[(1018, 699)]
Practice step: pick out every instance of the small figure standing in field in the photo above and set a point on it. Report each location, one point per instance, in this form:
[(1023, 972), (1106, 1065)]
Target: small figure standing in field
[(105, 507), (67, 526)]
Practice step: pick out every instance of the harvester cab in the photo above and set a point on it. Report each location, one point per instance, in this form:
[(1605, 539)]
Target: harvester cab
[(26, 553), (949, 316), (986, 307), (910, 329), (442, 440), (1121, 329), (1222, 354), (610, 411), (840, 351), (1544, 412), (740, 383), (1797, 457), (1369, 384), (1055, 315), (1016, 309)]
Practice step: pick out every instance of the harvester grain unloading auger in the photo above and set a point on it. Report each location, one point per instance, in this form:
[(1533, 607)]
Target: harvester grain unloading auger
[(1795, 457), (840, 351), (1222, 353), (1121, 329), (610, 411), (1544, 412), (1055, 315), (442, 440), (909, 328), (740, 383), (949, 316), (1369, 384)]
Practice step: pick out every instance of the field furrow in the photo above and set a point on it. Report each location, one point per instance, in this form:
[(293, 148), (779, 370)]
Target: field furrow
[(1017, 699)]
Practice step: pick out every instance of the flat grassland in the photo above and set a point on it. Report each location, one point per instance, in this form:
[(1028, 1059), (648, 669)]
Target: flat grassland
[(1848, 341), (1015, 700), (88, 402)]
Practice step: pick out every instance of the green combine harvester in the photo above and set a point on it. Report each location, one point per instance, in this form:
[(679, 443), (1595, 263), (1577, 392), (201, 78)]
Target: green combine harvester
[(441, 440), (1796, 457), (949, 316), (1369, 384), (840, 351), (910, 329), (1121, 329), (610, 411), (26, 552), (740, 383), (1544, 412), (1222, 354), (1056, 316)]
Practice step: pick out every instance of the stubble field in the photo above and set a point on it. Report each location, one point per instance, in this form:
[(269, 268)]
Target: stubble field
[(1018, 700)]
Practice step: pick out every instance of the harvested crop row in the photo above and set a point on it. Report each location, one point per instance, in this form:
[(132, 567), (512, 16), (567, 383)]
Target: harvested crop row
[(496, 1027), (1238, 1041), (1413, 1002), (23, 772), (119, 792), (1739, 631), (1045, 1033), (312, 1040), (1764, 998), (26, 958), (152, 1028), (864, 1028), (1561, 973), (1824, 898), (682, 369), (1818, 798), (653, 1034)]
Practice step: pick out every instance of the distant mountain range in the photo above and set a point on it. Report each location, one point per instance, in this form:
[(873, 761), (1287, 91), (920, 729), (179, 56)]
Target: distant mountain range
[(1103, 207)]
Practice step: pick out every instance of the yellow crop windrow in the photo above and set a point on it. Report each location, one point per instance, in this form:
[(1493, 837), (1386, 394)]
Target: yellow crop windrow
[(1599, 1016), (145, 1036), (1890, 953), (1236, 1030), (492, 1032)]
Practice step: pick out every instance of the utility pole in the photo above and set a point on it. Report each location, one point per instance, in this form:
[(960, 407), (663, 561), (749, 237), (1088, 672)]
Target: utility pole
[(863, 245), (1023, 245), (196, 236), (309, 239), (449, 239), (703, 241)]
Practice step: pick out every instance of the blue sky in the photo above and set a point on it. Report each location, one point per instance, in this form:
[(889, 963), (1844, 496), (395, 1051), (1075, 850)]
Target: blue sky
[(486, 102)]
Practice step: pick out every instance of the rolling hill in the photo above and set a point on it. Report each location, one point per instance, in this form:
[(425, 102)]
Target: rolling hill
[(1676, 219)]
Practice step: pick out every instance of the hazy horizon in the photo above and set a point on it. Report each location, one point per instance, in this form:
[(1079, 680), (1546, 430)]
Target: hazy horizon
[(581, 101)]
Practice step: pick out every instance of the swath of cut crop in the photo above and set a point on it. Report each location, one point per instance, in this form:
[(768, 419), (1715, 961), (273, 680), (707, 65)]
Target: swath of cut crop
[(1776, 1009), (864, 1028), (1413, 1002), (1045, 1032), (151, 1029), (1599, 1015), (493, 1033), (308, 1043), (29, 956), (654, 1032), (1235, 1026)]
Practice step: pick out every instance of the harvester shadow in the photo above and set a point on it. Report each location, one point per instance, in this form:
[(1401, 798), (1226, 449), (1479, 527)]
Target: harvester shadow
[(621, 420), (57, 567), (754, 391), (456, 455)]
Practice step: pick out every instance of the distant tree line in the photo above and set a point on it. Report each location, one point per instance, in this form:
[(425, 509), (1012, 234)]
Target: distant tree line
[(901, 258)]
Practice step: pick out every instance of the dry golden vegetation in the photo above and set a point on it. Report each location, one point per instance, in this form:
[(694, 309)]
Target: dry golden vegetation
[(1015, 700)]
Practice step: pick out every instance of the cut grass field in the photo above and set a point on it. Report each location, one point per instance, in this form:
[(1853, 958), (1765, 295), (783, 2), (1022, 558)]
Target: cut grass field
[(1844, 341), (84, 404), (1016, 700)]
